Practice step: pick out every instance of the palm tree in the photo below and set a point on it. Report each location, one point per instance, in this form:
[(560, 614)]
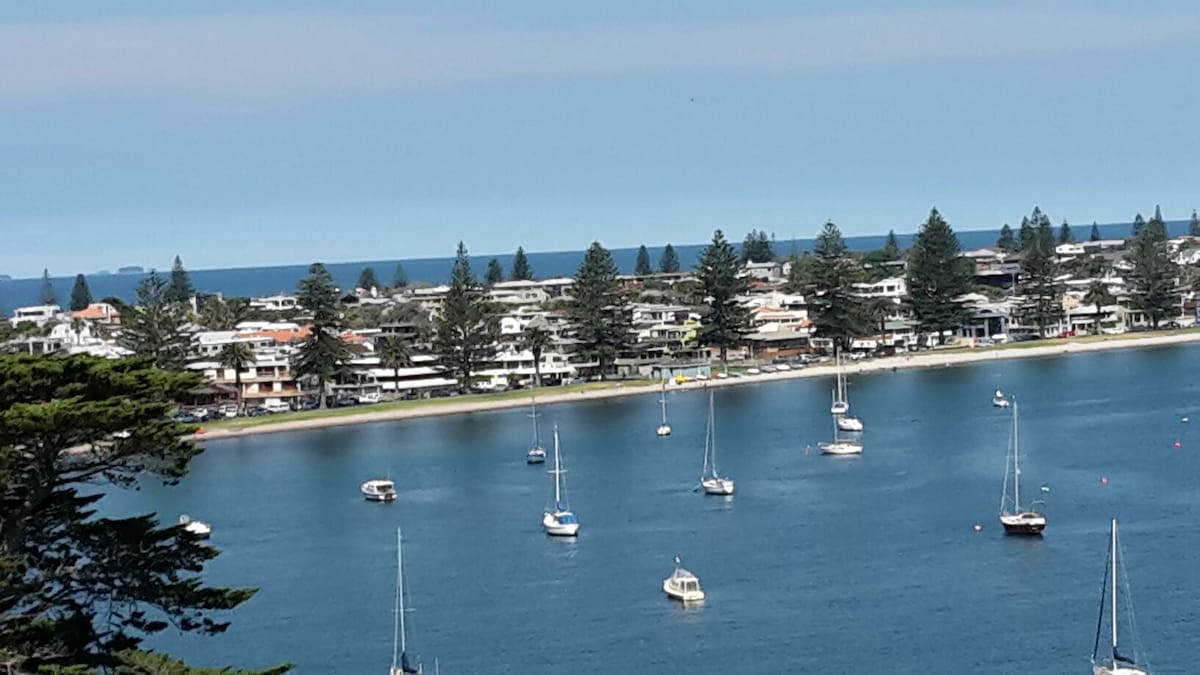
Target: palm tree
[(394, 354), (536, 338), (1098, 295), (236, 355)]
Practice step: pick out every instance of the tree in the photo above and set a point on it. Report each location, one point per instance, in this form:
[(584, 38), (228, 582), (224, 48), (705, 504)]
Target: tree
[(322, 353), (1064, 234), (1155, 275), (937, 277), (395, 354), (216, 314), (1038, 270), (597, 309), (1194, 225), (1006, 242), (495, 273), (521, 271), (535, 338), (180, 289), (47, 295), (757, 247), (81, 296), (151, 327), (236, 356), (669, 262), (367, 280), (79, 592), (891, 247), (1028, 232), (1095, 236), (1138, 225), (1099, 296), (835, 307), (727, 320), (800, 273), (399, 278), (642, 267), (467, 327)]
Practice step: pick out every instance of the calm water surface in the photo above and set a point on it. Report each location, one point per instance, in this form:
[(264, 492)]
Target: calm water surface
[(851, 565)]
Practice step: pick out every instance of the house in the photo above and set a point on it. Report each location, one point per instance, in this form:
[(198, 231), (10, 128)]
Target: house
[(276, 303), (764, 271), (99, 312), (38, 315), (269, 376)]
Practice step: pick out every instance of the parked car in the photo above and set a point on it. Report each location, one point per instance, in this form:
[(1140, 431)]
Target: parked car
[(256, 411), (370, 397), (1170, 325), (185, 417), (344, 401), (782, 366), (753, 371), (276, 406), (227, 410)]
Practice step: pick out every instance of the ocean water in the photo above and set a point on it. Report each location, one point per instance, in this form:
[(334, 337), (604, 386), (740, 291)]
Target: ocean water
[(258, 281), (845, 565)]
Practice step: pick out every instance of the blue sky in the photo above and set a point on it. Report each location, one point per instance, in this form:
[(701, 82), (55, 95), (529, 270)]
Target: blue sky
[(132, 131)]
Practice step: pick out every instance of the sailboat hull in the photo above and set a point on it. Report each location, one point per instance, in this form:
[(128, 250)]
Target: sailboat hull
[(1118, 670), (852, 424), (535, 456), (554, 528), (663, 430), (717, 486), (1023, 523), (841, 448)]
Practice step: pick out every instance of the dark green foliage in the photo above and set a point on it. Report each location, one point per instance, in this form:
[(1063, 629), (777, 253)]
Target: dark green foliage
[(598, 309), (1155, 275), (937, 275), (81, 295), (367, 280), (536, 338), (153, 663), (1064, 234), (399, 278), (323, 353), (180, 289), (891, 247), (150, 328), (495, 273), (521, 271), (467, 328), (757, 247), (727, 320), (47, 296), (395, 354), (1194, 225), (1139, 224), (76, 590), (1037, 285), (800, 273), (1006, 242), (218, 314), (669, 262), (236, 356), (835, 307), (1095, 235), (1028, 232), (642, 267)]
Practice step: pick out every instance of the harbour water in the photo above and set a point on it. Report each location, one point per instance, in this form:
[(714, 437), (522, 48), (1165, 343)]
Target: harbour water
[(845, 565)]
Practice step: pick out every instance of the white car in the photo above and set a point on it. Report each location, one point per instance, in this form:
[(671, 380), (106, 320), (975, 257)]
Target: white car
[(753, 371), (370, 397), (783, 366)]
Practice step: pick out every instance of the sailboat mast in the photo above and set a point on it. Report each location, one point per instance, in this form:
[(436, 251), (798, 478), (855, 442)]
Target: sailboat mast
[(398, 621), (712, 425), (663, 400), (1016, 459), (1113, 554), (537, 440), (557, 471)]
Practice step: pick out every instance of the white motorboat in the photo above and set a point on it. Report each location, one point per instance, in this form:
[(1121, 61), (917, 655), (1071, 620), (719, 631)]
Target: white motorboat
[(1017, 520), (711, 481), (400, 662), (1114, 663), (196, 528), (379, 490), (536, 453), (663, 429), (848, 423), (559, 521), (999, 400), (682, 585)]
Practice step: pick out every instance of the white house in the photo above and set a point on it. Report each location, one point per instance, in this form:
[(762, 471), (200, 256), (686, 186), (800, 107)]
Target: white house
[(38, 315)]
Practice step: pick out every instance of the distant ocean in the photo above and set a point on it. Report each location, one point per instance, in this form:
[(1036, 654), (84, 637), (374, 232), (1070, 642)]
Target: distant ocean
[(258, 281)]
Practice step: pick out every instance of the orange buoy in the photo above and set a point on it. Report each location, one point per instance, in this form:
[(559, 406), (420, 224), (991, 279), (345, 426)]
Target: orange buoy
[(199, 430)]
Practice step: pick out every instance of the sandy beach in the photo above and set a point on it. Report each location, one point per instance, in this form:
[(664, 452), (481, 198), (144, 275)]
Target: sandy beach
[(927, 359)]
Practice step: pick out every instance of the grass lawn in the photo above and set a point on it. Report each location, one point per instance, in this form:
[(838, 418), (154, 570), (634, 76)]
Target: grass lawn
[(1050, 342)]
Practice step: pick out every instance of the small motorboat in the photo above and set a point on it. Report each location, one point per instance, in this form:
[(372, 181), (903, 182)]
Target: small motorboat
[(196, 528), (682, 585), (847, 423), (379, 490), (999, 400)]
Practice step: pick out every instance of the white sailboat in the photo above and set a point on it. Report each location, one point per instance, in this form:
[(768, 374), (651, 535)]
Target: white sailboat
[(664, 429), (400, 663), (840, 446), (196, 528), (1017, 521), (840, 408), (559, 521), (999, 400), (710, 480), (1114, 663), (536, 453)]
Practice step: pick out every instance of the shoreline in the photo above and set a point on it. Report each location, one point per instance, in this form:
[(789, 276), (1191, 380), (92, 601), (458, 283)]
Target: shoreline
[(926, 359)]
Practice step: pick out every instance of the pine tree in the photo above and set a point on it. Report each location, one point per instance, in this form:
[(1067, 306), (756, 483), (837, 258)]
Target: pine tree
[(399, 278), (1064, 234), (800, 273), (521, 271), (756, 247), (81, 296), (891, 247), (669, 262), (1194, 225), (1006, 242), (180, 289), (495, 273), (1155, 274), (467, 327), (1095, 236), (151, 327), (642, 267), (1038, 270), (1138, 225), (323, 352), (835, 307), (721, 284), (47, 296), (937, 276), (367, 280), (598, 309)]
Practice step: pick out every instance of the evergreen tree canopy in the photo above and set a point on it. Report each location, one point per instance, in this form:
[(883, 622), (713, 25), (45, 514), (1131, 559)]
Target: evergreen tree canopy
[(81, 295), (495, 273), (1006, 242), (47, 296), (180, 289), (669, 262), (727, 320), (598, 309), (1155, 274), (367, 280), (521, 271), (1138, 224), (1064, 234), (399, 278), (151, 328), (467, 327), (800, 273), (1095, 236), (323, 352), (1194, 225), (757, 247), (836, 308), (937, 276), (1027, 234), (1037, 286), (642, 267), (891, 247)]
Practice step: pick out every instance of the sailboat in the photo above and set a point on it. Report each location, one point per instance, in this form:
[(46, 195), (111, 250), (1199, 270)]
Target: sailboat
[(840, 408), (1116, 663), (840, 446), (400, 663), (1017, 521), (560, 521), (710, 481), (536, 453), (664, 429)]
